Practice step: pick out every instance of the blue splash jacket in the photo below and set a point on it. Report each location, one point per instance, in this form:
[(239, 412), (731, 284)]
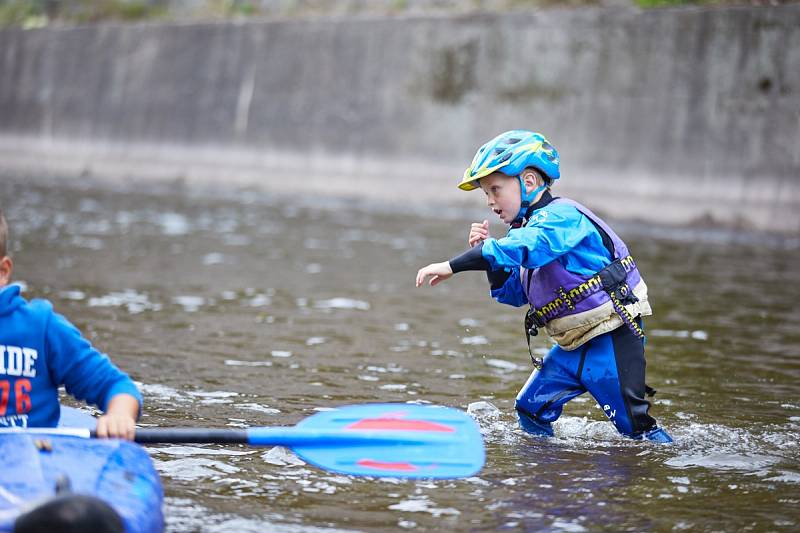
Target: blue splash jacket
[(555, 232), (41, 350)]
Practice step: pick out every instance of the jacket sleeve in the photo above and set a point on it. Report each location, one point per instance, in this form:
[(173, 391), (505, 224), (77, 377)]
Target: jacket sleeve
[(511, 292), (87, 374), (549, 235)]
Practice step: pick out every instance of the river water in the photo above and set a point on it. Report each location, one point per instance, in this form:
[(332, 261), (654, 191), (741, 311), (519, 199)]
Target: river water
[(245, 309)]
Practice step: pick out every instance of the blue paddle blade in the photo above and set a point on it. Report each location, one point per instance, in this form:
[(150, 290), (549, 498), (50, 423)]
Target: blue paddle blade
[(394, 440)]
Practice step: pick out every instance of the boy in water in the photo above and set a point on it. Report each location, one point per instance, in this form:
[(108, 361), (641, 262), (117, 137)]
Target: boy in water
[(582, 285), (41, 350)]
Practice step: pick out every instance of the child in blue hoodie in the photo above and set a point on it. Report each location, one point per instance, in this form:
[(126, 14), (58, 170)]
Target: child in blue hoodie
[(41, 350)]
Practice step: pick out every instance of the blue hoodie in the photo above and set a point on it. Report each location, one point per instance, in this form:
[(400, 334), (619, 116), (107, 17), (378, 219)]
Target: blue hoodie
[(41, 350)]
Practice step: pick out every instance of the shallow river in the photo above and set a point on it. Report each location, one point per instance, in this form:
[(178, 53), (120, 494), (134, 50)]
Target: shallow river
[(247, 310)]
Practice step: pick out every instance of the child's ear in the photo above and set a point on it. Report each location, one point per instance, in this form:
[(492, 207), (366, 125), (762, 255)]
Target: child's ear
[(6, 266), (531, 179)]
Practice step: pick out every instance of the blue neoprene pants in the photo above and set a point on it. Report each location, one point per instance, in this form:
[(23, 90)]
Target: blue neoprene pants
[(611, 367)]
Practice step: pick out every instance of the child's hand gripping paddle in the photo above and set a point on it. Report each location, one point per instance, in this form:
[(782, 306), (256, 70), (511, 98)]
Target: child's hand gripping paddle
[(390, 440)]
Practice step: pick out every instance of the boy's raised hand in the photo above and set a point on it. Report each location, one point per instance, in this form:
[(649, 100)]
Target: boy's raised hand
[(438, 272), (478, 232)]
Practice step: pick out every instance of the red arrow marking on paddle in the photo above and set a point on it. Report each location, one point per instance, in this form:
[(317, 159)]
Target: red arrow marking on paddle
[(381, 465), (399, 424)]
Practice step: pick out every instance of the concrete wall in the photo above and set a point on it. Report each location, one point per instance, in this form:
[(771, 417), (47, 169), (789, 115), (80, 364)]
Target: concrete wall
[(667, 115)]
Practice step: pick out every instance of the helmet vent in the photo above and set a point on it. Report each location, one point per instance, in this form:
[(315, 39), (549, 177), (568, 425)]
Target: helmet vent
[(513, 140), (505, 157)]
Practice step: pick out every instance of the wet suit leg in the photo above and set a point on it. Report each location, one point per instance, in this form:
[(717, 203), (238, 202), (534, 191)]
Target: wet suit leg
[(543, 396), (614, 373), (611, 367)]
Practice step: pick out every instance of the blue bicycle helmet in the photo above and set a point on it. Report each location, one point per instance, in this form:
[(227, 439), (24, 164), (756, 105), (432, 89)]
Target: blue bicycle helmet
[(511, 153)]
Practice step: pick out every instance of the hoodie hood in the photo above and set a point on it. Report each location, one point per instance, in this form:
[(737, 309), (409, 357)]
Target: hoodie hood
[(10, 298)]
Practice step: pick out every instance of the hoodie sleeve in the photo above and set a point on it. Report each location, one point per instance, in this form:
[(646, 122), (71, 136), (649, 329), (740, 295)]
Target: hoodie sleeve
[(87, 374)]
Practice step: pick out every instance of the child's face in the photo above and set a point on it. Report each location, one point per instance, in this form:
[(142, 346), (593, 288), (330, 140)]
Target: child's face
[(5, 270), (502, 195)]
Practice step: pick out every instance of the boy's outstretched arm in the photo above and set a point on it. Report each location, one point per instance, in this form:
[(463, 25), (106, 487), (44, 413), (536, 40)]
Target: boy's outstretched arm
[(119, 420), (472, 259), (438, 272)]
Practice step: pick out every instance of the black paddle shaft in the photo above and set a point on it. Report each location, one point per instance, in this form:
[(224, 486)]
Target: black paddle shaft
[(190, 435)]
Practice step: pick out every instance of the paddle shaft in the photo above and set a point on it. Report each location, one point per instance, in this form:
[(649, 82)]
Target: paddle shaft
[(283, 436), (190, 436)]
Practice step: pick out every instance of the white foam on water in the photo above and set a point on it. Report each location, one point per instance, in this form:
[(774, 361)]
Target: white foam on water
[(72, 295), (505, 366), (236, 362), (383, 370), (475, 340), (194, 468), (705, 446), (699, 335), (189, 303), (580, 431), (161, 392), (724, 461), (260, 300), (258, 408), (423, 505), (786, 476), (133, 301), (494, 426), (756, 451), (679, 480), (342, 303), (213, 258), (280, 456), (249, 525), (567, 526), (173, 224), (213, 394), (185, 451)]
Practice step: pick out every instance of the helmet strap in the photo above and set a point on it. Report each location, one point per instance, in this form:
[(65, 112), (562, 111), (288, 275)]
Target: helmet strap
[(526, 198)]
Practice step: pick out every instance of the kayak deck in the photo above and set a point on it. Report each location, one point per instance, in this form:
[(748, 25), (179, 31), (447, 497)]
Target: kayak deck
[(118, 472)]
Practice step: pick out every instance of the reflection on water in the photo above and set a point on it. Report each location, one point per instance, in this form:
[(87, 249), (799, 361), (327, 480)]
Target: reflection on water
[(244, 310)]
